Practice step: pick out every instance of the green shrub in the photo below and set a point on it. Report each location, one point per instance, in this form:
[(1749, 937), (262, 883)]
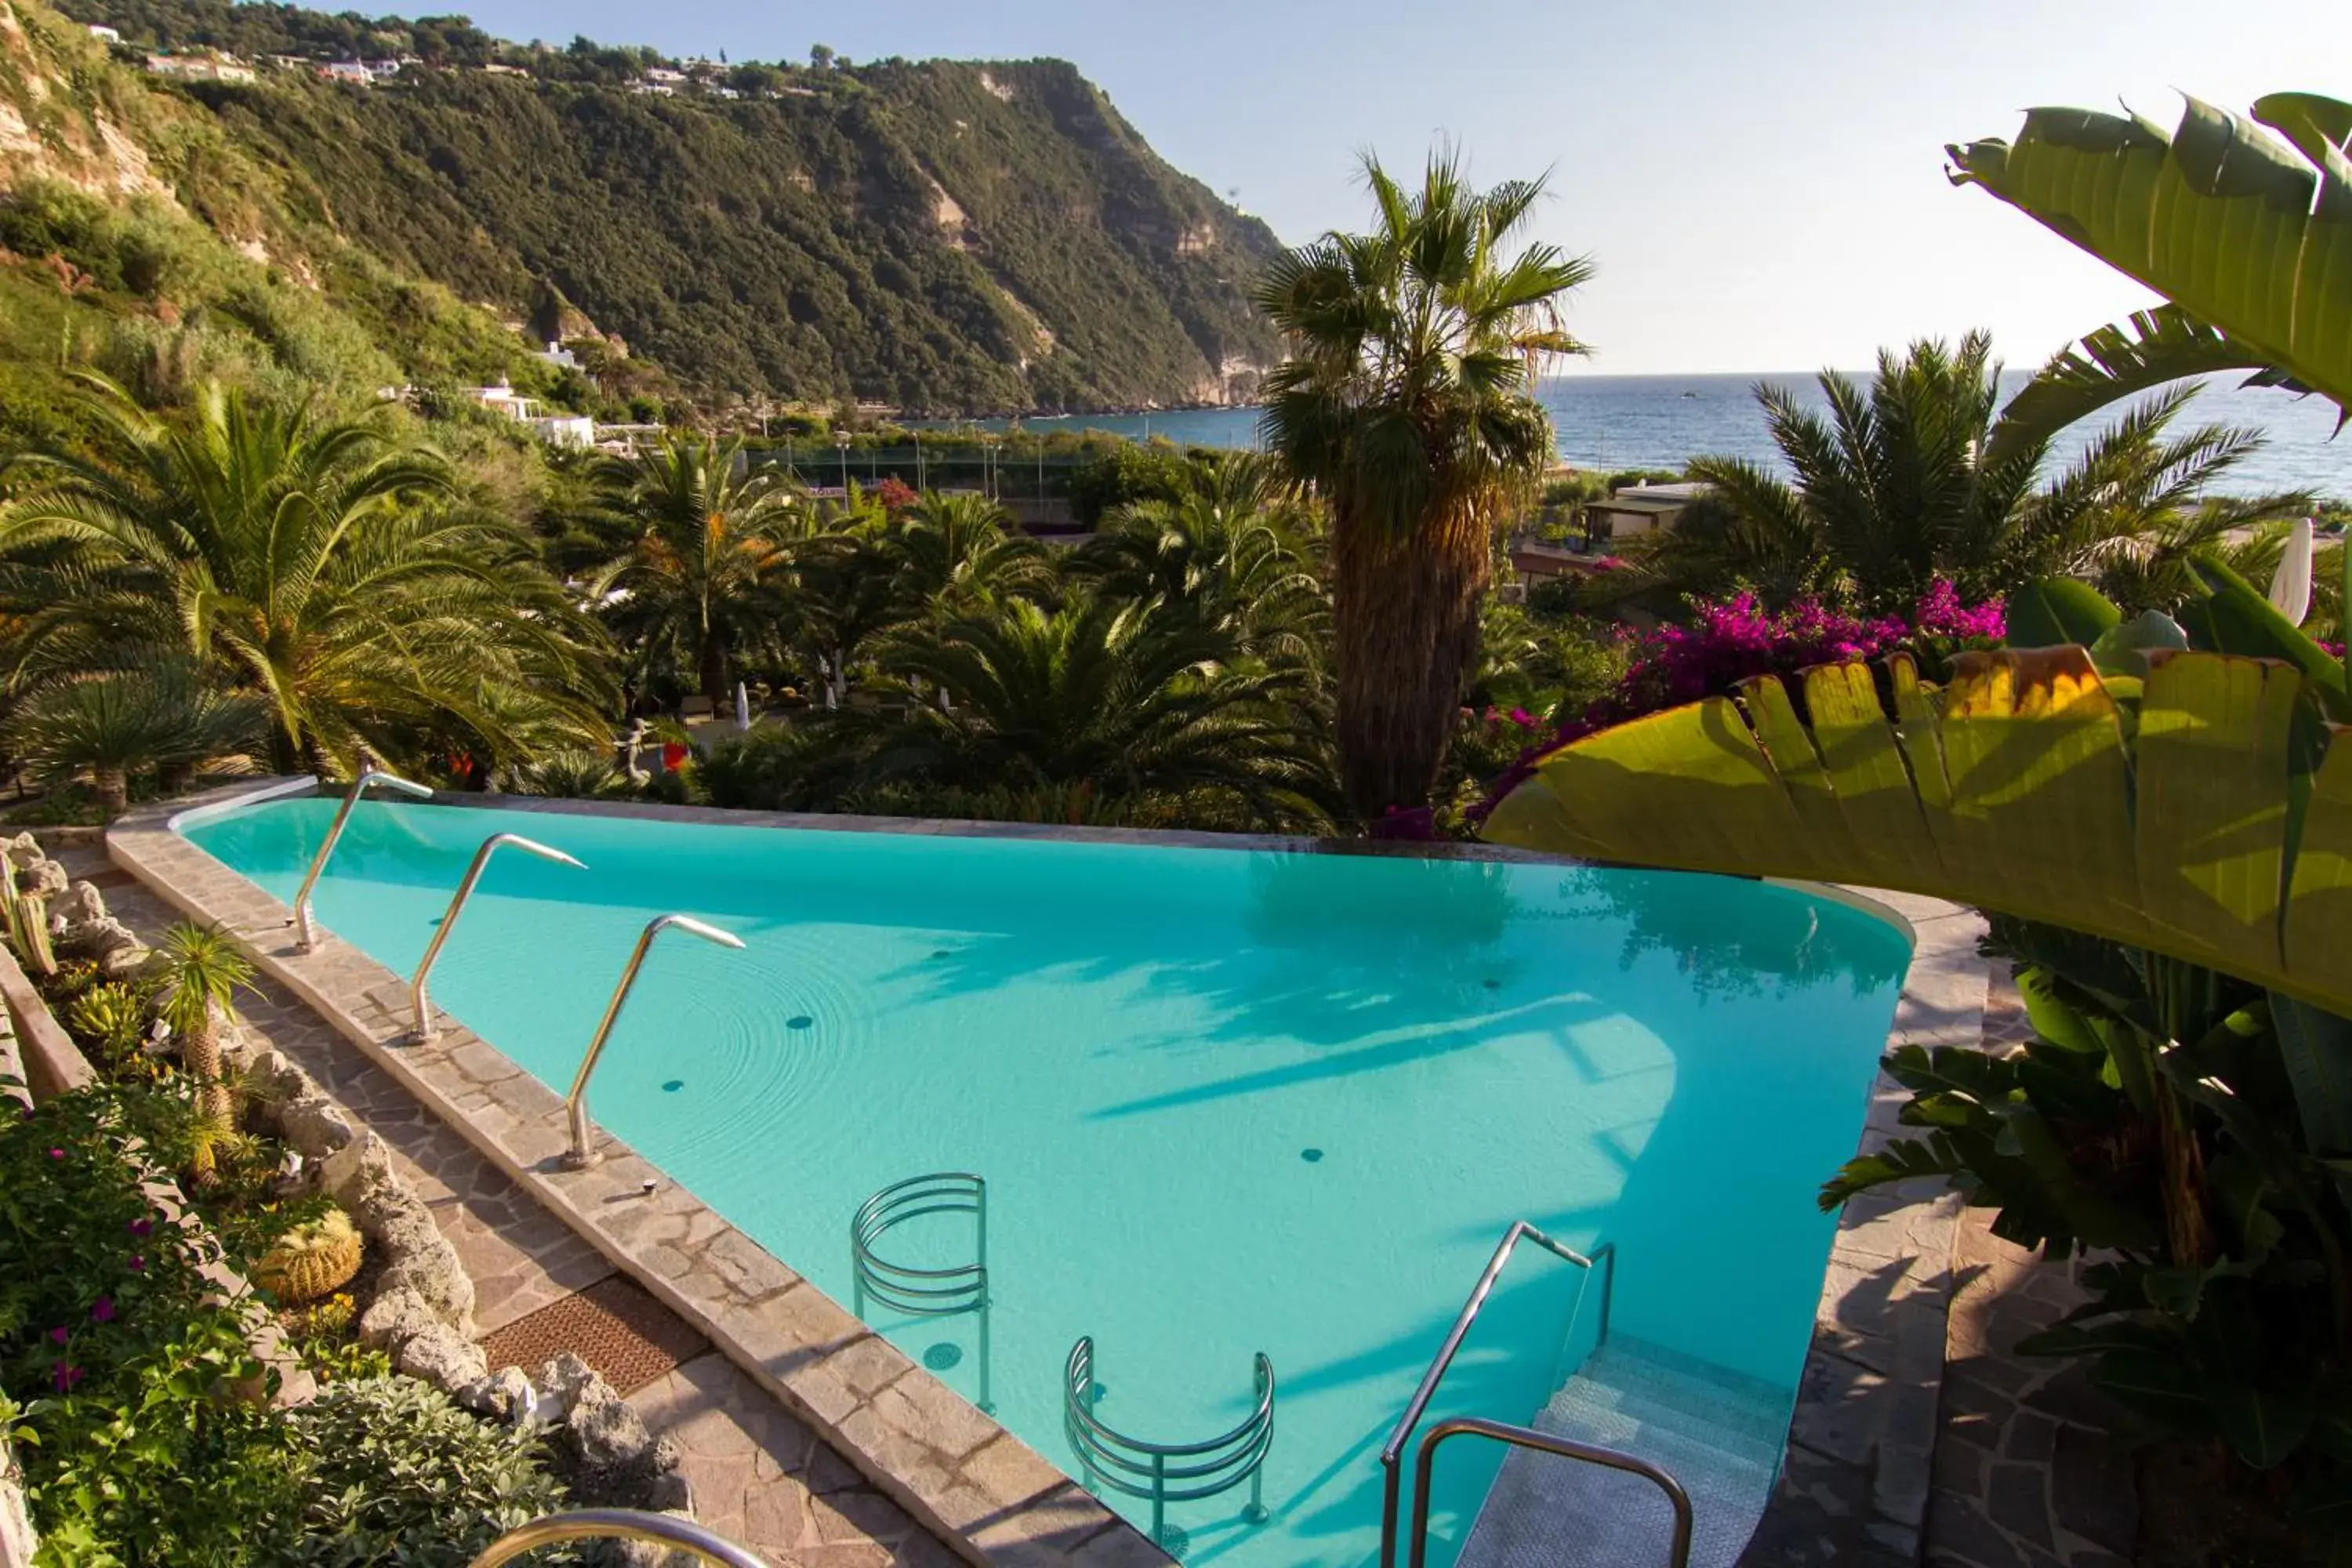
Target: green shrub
[(113, 1355), (400, 1474)]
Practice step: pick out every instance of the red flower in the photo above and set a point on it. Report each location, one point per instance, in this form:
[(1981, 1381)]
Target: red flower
[(673, 755)]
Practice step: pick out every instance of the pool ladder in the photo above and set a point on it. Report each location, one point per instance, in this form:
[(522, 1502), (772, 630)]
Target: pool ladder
[(1601, 1261), (924, 1292), (1167, 1472), (705, 1544)]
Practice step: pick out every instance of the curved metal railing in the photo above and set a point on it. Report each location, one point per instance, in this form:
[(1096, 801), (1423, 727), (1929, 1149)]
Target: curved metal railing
[(582, 1152), (306, 930), (1167, 1472), (616, 1524), (420, 1004), (1677, 1549), (1604, 1257), (924, 1292)]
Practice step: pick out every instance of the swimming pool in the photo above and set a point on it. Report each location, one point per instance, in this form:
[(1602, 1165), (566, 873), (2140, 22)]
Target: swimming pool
[(1225, 1100)]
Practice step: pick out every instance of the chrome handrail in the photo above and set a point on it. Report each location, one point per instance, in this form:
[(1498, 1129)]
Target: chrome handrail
[(1678, 1549), (1141, 1469), (582, 1153), (419, 1003), (924, 1292), (616, 1524), (306, 933), (1392, 1454)]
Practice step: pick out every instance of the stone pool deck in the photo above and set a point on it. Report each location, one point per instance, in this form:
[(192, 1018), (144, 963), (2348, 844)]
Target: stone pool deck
[(759, 1475), (1855, 1488)]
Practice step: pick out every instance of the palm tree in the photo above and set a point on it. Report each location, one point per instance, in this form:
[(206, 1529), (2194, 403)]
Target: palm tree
[(954, 553), (1922, 476), (1124, 700), (699, 586), (310, 562), (203, 970), (111, 724), (1233, 550), (1406, 403)]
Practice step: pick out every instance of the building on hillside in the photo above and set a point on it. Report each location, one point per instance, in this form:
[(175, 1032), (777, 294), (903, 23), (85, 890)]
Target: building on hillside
[(202, 67), (104, 34), (628, 441), (382, 70), (653, 88), (575, 430), (559, 356), (352, 72), (1638, 509), (663, 76), (496, 68)]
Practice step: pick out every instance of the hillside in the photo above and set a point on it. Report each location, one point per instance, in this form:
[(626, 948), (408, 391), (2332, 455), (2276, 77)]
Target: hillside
[(944, 237)]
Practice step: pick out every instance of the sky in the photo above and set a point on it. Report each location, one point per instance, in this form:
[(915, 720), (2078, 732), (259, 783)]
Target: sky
[(1759, 183)]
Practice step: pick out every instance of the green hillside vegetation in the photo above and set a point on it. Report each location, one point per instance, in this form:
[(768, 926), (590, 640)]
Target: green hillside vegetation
[(945, 238), (139, 238)]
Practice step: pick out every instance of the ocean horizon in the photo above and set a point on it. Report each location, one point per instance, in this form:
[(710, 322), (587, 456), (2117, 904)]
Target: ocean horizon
[(1613, 422)]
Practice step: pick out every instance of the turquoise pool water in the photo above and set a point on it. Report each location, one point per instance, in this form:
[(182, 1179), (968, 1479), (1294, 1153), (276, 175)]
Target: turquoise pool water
[(1225, 1100)]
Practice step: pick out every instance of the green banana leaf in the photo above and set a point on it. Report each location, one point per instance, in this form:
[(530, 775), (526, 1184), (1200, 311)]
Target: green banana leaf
[(2148, 350), (2252, 237), (2018, 788)]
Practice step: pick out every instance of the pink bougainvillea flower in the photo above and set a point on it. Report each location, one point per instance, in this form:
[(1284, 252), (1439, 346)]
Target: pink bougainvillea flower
[(138, 1261), (60, 1335), (57, 1153), (64, 1377), (1523, 719), (102, 1310), (142, 1226)]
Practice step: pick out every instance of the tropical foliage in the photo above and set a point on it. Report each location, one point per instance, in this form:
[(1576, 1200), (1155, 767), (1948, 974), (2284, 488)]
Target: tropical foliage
[(2245, 234), (1926, 475), (320, 564), (1407, 401)]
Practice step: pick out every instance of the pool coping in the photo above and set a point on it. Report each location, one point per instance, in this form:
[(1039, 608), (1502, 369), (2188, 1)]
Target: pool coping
[(1853, 1486)]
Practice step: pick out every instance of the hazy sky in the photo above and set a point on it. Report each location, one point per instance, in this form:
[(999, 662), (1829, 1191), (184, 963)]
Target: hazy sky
[(1759, 181)]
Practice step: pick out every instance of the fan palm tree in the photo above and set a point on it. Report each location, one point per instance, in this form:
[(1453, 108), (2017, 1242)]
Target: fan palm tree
[(700, 586), (111, 724), (1922, 476), (203, 969), (1129, 701), (1406, 402), (309, 561)]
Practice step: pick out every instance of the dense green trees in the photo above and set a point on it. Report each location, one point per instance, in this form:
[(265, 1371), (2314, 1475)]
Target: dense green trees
[(1407, 400)]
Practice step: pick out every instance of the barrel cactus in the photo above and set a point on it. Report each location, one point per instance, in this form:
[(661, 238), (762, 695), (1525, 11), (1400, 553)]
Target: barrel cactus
[(29, 929), (311, 1261)]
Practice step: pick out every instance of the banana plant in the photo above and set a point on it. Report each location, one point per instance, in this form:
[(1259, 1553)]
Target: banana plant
[(2247, 234)]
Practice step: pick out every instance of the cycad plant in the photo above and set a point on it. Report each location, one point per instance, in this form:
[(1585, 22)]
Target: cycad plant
[(1407, 401), (113, 725), (201, 971)]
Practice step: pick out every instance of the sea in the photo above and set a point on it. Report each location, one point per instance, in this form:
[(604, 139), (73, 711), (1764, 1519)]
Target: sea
[(1613, 422)]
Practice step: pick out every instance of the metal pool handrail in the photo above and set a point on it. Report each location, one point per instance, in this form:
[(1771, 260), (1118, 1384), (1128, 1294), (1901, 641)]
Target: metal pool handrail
[(1678, 1550), (1392, 1454), (305, 934), (924, 1292), (582, 1153), (419, 1003), (1167, 1472), (617, 1524)]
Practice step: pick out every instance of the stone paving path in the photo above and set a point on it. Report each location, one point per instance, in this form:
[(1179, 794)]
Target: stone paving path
[(2025, 1475), (760, 1475)]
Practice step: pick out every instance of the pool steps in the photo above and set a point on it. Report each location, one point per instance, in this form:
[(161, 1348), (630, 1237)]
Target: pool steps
[(1716, 1431)]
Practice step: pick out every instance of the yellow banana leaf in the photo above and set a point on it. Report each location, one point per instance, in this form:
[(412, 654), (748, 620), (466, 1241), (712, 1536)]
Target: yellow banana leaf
[(2247, 233), (2021, 787)]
